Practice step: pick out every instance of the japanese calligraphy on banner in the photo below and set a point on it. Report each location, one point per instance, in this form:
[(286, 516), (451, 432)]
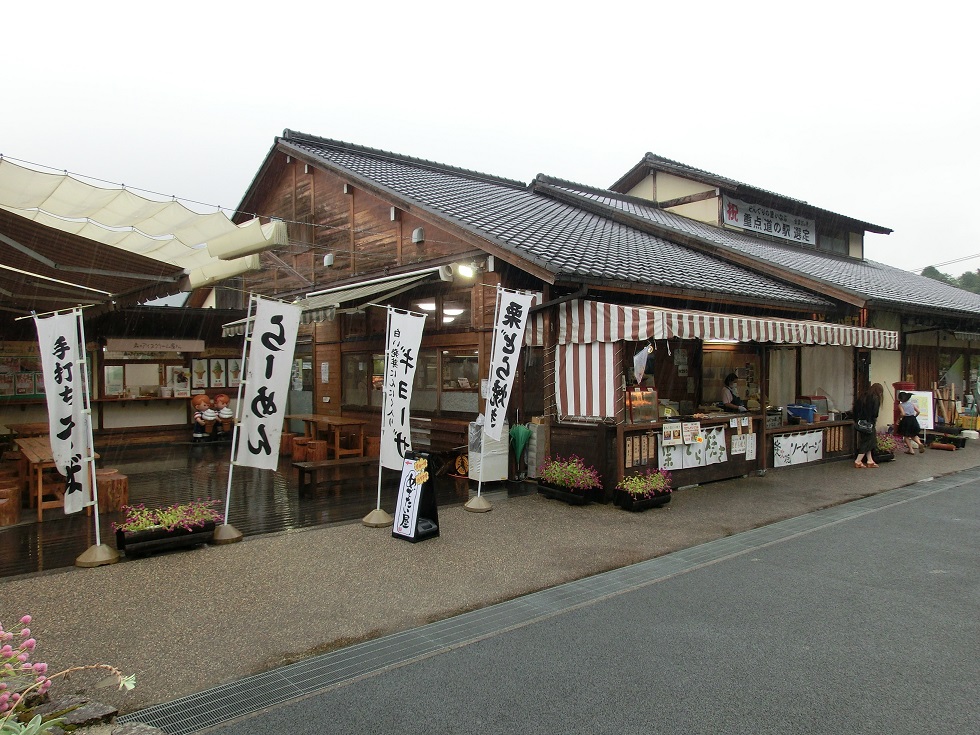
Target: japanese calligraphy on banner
[(269, 363), (512, 310), (401, 359), (61, 363), (769, 221)]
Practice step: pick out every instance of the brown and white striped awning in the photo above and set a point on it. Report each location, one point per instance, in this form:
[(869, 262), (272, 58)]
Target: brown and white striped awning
[(582, 322), (589, 353)]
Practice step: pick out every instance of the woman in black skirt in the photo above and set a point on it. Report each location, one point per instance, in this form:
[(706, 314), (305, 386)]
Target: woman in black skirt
[(908, 425), (866, 407)]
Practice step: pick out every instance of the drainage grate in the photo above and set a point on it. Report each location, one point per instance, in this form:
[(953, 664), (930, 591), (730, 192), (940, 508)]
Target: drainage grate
[(224, 703)]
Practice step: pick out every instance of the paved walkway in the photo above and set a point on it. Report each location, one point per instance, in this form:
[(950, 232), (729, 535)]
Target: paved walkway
[(188, 621)]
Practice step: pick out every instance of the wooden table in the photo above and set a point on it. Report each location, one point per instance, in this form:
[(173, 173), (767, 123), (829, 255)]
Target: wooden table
[(310, 421), (347, 436), (41, 428), (37, 457)]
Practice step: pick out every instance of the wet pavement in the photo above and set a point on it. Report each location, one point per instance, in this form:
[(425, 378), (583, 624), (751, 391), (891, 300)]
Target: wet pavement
[(262, 501)]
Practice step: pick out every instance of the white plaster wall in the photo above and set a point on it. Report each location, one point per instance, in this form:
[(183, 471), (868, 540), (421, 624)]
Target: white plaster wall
[(672, 187), (643, 190), (129, 414), (703, 211)]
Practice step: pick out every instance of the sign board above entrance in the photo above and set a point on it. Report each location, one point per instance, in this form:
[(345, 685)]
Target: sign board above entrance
[(154, 345), (769, 221)]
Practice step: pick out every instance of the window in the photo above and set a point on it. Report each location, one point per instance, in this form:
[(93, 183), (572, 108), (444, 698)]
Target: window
[(833, 242), (460, 381), (363, 379), (445, 311)]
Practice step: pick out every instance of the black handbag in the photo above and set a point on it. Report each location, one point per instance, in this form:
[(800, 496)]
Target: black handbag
[(864, 426)]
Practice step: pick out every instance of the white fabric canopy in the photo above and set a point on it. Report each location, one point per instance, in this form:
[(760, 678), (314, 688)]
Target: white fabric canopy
[(202, 244)]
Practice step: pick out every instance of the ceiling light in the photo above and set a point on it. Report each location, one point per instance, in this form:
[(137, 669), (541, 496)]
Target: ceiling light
[(466, 271), (452, 312), (427, 305)]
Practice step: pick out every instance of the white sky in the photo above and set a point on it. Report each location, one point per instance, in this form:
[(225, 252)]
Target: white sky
[(869, 109)]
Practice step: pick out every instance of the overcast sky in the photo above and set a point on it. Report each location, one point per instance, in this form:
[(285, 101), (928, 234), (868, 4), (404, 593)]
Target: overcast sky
[(869, 109)]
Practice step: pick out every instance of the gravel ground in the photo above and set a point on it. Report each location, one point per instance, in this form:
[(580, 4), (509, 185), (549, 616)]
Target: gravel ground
[(189, 620)]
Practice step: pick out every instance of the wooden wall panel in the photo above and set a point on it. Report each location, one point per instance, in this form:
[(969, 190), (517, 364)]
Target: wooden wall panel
[(356, 227)]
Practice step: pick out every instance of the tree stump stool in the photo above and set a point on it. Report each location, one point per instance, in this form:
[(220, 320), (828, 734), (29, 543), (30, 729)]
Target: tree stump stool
[(10, 502), (299, 449), (286, 443), (316, 449), (113, 490)]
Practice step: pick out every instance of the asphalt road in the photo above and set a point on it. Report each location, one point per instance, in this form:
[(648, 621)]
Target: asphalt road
[(868, 624)]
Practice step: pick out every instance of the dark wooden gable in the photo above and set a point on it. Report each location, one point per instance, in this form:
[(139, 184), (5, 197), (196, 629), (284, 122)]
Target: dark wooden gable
[(328, 215)]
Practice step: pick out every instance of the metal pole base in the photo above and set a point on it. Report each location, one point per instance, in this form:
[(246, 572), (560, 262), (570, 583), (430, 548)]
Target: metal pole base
[(97, 556), (226, 534), (477, 504), (377, 518)]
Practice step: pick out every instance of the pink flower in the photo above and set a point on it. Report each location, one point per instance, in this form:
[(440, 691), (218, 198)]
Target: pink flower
[(29, 644), (26, 620), (23, 657), (25, 633), (40, 668), (7, 651)]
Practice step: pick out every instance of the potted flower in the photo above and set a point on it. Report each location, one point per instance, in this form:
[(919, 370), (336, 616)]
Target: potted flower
[(649, 489), (568, 479), (145, 530), (885, 449)]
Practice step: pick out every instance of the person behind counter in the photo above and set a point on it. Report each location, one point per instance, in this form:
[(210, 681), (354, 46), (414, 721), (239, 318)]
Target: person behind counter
[(729, 395)]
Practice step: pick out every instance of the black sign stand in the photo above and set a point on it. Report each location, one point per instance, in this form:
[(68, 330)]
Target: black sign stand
[(416, 511)]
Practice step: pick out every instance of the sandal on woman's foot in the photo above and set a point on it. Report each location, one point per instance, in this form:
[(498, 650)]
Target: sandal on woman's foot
[(859, 465), (922, 448), (872, 465), (909, 451)]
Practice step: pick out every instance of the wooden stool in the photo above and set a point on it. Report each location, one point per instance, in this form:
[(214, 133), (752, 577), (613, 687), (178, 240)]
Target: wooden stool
[(299, 448), (286, 443), (372, 446), (12, 456), (316, 449), (10, 502), (113, 490), (9, 512)]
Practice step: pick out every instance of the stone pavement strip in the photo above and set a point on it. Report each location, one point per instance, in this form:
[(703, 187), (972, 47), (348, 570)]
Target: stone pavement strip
[(190, 620)]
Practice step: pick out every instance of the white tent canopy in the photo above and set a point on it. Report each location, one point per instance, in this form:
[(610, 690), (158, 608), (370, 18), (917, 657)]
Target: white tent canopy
[(206, 246)]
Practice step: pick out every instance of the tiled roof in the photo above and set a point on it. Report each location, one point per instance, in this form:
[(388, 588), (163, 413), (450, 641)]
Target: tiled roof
[(879, 284), (659, 163), (569, 241)]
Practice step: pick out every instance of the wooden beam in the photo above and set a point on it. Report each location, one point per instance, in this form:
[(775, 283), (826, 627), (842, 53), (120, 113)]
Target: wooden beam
[(689, 199)]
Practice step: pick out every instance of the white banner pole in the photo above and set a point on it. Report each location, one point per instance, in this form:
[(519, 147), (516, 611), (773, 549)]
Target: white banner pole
[(379, 518), (479, 504), (226, 534), (100, 554)]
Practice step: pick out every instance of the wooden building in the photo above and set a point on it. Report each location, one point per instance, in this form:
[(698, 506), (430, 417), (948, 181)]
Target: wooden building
[(713, 276)]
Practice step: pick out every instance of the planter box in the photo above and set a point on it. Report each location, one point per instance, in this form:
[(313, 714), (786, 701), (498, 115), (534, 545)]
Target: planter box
[(880, 457), (627, 501), (138, 543), (564, 494)]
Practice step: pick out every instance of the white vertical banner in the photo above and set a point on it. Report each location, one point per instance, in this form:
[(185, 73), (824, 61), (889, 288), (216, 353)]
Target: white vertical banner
[(401, 360), (512, 312), (269, 366), (61, 363)]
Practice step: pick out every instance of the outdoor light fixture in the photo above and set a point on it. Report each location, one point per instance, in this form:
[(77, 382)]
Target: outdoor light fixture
[(466, 271), (328, 260)]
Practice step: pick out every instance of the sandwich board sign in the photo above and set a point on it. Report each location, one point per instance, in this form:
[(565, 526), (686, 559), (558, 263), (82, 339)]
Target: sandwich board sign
[(416, 512)]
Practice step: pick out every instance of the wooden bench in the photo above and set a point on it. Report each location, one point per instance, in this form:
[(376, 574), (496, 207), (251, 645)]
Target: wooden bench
[(308, 470)]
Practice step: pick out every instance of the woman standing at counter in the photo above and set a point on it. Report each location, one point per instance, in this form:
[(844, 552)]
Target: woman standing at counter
[(729, 395), (866, 407)]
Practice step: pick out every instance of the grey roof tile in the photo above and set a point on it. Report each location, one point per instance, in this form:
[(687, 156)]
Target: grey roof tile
[(569, 241), (878, 283)]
